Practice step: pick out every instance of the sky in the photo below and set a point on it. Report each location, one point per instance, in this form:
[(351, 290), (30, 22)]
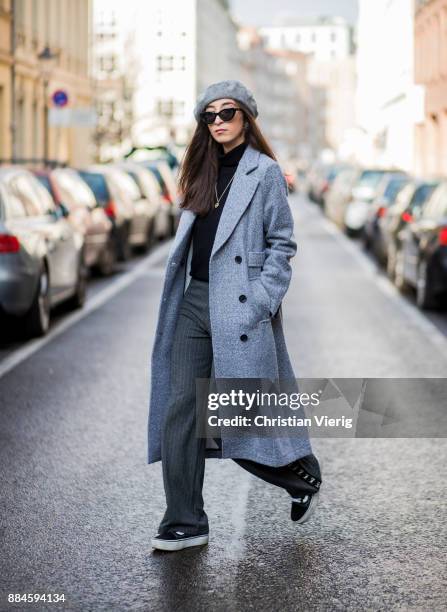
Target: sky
[(263, 12)]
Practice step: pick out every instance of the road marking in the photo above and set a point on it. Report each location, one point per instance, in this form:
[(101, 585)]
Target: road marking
[(93, 303), (385, 285)]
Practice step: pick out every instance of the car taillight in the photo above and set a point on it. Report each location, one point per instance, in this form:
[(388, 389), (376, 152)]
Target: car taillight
[(407, 217), (166, 199), (382, 211), (442, 237), (110, 209), (9, 243)]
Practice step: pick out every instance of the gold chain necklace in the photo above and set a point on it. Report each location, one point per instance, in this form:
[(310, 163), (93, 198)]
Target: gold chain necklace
[(221, 195)]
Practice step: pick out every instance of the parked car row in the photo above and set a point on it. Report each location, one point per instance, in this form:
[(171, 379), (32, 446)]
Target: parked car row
[(400, 218), (59, 225)]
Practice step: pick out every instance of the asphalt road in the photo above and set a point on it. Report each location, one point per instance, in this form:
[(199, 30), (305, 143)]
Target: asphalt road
[(79, 504)]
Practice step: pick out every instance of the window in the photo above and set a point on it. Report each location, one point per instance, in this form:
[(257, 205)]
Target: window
[(165, 63), (107, 63), (98, 185), (126, 184), (22, 188), (436, 206), (71, 192), (47, 200), (421, 195), (169, 108), (14, 208)]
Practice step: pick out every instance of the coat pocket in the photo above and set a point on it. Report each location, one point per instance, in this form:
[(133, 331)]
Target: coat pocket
[(255, 262), (261, 304)]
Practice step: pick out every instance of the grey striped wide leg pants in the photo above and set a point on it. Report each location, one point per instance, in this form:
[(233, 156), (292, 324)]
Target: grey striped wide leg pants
[(182, 453)]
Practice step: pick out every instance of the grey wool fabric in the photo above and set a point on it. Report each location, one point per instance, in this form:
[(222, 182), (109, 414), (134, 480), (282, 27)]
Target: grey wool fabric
[(229, 88), (250, 256)]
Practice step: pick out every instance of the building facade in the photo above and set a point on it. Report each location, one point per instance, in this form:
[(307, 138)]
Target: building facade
[(27, 27), (388, 103), (114, 72), (183, 46), (430, 32), (277, 79), (326, 38), (330, 76), (5, 79)]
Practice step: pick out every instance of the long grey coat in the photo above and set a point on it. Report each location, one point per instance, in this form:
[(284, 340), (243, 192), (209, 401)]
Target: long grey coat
[(250, 255)]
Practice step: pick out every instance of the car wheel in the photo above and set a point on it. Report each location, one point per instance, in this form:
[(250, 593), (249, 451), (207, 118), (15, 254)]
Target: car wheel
[(399, 278), (126, 249), (352, 233), (424, 296), (366, 241), (106, 266), (391, 263), (78, 299), (37, 319), (150, 237)]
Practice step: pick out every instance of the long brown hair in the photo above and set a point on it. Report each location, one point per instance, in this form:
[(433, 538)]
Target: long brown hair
[(199, 169)]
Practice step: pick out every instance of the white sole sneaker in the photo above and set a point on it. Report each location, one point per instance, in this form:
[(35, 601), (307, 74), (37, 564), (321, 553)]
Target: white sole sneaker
[(311, 509), (179, 544)]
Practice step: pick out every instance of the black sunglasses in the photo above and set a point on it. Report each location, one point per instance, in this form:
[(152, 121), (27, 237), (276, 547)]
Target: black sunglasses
[(226, 114)]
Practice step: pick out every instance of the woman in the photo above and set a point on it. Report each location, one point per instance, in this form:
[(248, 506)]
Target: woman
[(220, 313)]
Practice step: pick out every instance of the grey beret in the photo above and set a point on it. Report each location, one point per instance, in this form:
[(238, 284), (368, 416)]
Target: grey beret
[(226, 89)]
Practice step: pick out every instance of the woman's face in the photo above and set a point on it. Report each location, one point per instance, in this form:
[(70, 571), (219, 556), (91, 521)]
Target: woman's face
[(228, 133)]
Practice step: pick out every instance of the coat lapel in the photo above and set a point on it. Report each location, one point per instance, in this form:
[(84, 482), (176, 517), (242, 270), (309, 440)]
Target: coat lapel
[(239, 197), (241, 192), (183, 231)]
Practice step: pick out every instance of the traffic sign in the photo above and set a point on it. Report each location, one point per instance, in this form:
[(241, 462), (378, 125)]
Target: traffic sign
[(60, 97)]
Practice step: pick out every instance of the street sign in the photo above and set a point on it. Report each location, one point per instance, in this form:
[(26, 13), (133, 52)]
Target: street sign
[(81, 117), (60, 98)]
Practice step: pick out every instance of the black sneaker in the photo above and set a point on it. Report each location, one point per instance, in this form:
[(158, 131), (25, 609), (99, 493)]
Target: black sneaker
[(173, 539), (303, 507), (303, 474)]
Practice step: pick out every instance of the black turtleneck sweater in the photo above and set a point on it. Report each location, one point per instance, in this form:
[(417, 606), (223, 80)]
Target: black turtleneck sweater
[(204, 228)]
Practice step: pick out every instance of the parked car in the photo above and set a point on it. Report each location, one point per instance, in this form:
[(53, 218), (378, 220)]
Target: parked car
[(144, 210), (170, 193), (363, 193), (302, 181), (151, 191), (41, 254), (316, 177), (421, 260), (406, 208), (340, 194), (119, 208), (290, 177), (170, 154), (387, 192), (68, 189), (327, 180)]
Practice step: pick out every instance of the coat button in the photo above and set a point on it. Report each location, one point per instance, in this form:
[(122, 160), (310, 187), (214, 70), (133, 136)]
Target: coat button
[(244, 337), (242, 298), (238, 259)]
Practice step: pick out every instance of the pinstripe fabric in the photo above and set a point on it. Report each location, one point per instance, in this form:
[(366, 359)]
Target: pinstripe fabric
[(182, 453)]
